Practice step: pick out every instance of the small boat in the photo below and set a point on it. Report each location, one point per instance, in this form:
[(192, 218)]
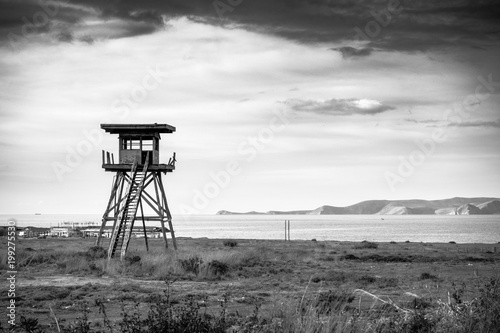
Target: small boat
[(38, 213)]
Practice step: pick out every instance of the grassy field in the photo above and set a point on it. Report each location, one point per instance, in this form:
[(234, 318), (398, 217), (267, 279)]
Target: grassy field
[(211, 285)]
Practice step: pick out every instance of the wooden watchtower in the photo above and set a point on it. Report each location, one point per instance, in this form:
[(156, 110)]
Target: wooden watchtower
[(137, 183)]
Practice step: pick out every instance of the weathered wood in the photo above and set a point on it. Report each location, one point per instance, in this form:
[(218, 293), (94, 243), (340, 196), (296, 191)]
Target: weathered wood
[(162, 210), (144, 226), (124, 167), (116, 184), (139, 148), (118, 222), (134, 201), (138, 128), (169, 216)]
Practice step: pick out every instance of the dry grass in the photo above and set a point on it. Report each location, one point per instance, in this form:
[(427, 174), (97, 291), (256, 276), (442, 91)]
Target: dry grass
[(275, 286)]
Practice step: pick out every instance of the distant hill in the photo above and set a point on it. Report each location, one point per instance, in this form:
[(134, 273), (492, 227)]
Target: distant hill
[(490, 207), (453, 206)]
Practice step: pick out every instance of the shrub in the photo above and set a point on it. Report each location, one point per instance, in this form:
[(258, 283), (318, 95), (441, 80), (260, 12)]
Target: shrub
[(331, 276), (132, 259), (332, 301), (191, 265), (218, 268), (366, 245), (349, 257), (366, 279), (427, 276), (96, 252), (230, 243)]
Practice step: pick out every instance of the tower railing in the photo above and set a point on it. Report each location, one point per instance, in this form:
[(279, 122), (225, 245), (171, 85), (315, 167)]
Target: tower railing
[(108, 158)]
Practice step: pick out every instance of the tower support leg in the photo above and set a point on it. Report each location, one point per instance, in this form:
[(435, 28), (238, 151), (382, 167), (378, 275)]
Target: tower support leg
[(167, 210), (112, 198), (124, 204)]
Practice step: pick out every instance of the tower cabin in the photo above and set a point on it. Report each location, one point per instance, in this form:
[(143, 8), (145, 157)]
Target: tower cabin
[(136, 142), (137, 185)]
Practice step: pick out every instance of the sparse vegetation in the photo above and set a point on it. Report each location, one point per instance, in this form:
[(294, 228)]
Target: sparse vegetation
[(258, 286), (366, 245), (428, 276), (230, 243), (328, 311)]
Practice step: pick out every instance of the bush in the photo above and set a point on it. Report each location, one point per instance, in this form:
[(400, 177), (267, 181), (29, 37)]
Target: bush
[(366, 245), (218, 268), (331, 276), (349, 257), (96, 252), (366, 279), (132, 259), (428, 276), (332, 301), (230, 243), (191, 265)]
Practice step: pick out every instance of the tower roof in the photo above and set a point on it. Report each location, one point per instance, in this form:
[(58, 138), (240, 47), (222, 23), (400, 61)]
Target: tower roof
[(137, 128)]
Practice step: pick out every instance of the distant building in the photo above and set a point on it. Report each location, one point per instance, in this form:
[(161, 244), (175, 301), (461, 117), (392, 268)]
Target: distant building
[(75, 225), (138, 232), (65, 232), (33, 232)]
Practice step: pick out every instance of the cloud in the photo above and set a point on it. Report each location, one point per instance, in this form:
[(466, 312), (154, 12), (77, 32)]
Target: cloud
[(339, 107), (425, 121), (418, 26), (480, 123), (352, 52)]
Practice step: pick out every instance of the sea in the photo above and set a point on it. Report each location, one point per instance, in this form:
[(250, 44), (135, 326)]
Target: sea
[(378, 228)]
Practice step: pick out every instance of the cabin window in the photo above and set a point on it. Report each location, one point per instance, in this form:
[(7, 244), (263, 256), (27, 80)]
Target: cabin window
[(147, 145), (135, 144), (131, 144)]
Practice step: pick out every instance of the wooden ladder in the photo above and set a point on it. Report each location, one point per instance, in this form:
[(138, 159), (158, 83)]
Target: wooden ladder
[(125, 221)]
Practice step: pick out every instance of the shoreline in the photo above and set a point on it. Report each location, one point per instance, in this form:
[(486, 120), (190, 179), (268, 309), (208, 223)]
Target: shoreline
[(256, 240)]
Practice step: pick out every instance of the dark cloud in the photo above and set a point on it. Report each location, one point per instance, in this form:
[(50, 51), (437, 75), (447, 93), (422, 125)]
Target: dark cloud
[(338, 107), (352, 52), (413, 26), (495, 124)]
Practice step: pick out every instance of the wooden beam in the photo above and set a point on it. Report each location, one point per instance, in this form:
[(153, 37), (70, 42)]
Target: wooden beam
[(172, 233), (116, 184), (144, 226)]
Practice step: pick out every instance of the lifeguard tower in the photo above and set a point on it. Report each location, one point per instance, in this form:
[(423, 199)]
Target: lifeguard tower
[(138, 170)]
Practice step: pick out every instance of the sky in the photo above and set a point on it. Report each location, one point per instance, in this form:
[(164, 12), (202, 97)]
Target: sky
[(278, 105)]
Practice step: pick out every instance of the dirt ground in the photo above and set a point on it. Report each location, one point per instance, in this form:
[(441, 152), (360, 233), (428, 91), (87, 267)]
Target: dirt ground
[(258, 274)]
